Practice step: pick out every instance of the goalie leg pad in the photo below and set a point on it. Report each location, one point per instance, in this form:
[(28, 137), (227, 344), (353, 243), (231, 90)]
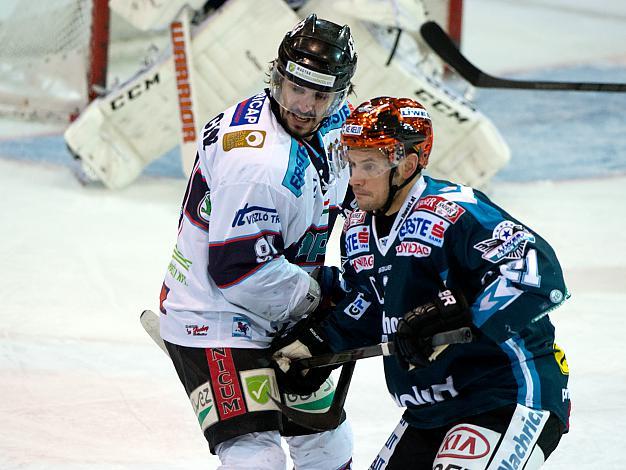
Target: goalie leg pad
[(468, 148), (117, 135)]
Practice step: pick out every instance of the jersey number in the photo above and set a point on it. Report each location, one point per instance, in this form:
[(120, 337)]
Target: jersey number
[(524, 271)]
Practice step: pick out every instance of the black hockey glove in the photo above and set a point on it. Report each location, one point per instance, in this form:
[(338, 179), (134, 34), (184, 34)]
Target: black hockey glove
[(305, 339), (413, 339), (332, 287)]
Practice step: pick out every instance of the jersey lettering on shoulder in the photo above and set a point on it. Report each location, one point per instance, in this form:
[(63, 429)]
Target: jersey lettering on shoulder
[(248, 112)]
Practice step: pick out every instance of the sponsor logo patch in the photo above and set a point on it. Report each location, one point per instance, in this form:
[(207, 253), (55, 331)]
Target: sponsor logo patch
[(174, 268), (299, 161), (433, 394), (465, 442), (255, 214), (243, 139), (448, 210), (414, 112), (390, 324), (424, 226), (362, 262), (228, 394), (197, 330), (259, 386), (559, 356), (317, 402), (352, 129), (412, 249), (357, 308), (204, 208), (354, 218), (248, 111), (309, 75), (357, 240), (203, 404), (520, 438)]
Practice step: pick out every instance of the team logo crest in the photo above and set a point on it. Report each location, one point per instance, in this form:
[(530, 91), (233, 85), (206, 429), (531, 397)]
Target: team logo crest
[(508, 242), (204, 208), (241, 328)]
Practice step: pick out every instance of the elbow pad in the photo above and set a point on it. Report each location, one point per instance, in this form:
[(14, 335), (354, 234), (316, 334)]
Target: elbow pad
[(309, 302)]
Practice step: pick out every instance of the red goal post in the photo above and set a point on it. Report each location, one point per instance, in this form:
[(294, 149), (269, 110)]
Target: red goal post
[(56, 56)]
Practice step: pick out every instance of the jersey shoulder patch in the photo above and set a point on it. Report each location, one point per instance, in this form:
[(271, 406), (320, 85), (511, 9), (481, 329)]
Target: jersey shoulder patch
[(441, 206), (356, 217)]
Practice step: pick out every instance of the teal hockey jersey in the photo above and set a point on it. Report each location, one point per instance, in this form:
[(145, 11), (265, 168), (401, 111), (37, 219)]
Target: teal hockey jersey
[(452, 236)]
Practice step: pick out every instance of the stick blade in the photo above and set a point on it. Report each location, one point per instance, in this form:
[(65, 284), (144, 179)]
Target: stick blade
[(150, 322)]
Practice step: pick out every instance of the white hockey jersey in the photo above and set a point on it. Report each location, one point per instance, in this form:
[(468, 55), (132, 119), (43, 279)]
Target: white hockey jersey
[(255, 219)]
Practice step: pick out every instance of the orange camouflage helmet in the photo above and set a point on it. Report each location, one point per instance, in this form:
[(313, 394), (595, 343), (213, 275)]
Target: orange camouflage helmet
[(398, 126)]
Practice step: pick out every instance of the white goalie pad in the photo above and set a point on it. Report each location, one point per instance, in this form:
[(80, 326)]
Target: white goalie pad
[(405, 14), (467, 146), (119, 134), (150, 15)]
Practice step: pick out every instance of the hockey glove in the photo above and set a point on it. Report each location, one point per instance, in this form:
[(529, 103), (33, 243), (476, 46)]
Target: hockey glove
[(305, 339), (413, 339)]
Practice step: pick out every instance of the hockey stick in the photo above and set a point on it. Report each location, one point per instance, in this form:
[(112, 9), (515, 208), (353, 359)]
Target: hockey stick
[(150, 322), (461, 335), (443, 46), (331, 418)]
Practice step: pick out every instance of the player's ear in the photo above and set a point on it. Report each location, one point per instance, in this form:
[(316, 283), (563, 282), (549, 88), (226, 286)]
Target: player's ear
[(408, 165)]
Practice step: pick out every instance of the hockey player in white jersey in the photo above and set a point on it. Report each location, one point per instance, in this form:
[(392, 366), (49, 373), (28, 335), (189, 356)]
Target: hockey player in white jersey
[(257, 212)]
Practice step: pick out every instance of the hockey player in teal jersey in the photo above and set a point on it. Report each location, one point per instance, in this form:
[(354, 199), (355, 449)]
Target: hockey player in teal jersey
[(424, 256)]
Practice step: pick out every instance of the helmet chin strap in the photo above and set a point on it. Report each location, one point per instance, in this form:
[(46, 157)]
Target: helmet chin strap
[(394, 188)]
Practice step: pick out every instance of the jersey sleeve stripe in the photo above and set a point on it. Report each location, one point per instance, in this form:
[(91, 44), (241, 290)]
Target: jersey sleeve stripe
[(243, 238), (245, 276)]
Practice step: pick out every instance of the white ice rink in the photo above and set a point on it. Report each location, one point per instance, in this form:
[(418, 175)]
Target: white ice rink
[(83, 387)]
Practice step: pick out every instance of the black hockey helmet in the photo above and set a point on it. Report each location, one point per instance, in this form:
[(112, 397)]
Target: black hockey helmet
[(316, 54), (321, 46)]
